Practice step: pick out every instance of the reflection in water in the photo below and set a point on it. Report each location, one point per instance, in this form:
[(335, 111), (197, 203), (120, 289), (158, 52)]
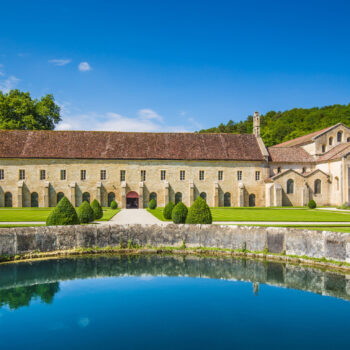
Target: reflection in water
[(19, 283)]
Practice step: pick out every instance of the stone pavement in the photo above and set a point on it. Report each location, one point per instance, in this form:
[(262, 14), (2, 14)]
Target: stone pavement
[(135, 216)]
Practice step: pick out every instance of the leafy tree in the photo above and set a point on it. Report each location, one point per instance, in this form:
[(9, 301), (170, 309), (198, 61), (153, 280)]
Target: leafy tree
[(85, 213), (199, 212), (98, 212), (167, 210), (63, 214), (114, 205), (152, 204), (19, 111), (179, 213)]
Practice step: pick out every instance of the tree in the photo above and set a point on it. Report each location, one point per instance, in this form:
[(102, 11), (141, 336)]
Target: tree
[(114, 205), (19, 111), (199, 212), (63, 214), (167, 210), (85, 213), (98, 212), (179, 213), (152, 204)]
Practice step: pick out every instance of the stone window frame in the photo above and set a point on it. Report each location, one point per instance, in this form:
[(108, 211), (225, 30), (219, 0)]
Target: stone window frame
[(290, 186), (323, 148), (163, 175), (83, 175), (220, 175), (143, 175), (339, 136), (122, 175), (182, 175), (317, 186), (22, 174), (330, 141), (2, 174), (103, 174), (239, 175), (257, 175), (63, 174), (201, 175), (42, 174)]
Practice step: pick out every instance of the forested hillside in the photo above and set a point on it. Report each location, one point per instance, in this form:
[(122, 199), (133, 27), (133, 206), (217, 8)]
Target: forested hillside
[(277, 127)]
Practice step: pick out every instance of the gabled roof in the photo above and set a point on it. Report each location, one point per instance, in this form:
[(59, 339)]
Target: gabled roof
[(128, 145), (304, 175), (336, 152), (289, 155), (302, 140)]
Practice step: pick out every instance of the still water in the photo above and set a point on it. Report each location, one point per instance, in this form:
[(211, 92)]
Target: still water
[(152, 302)]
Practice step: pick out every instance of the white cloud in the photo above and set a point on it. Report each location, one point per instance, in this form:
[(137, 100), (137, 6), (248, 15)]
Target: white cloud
[(60, 62), (149, 114), (8, 84), (84, 67)]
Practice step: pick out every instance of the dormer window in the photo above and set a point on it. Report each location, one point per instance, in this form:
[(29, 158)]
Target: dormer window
[(339, 136), (323, 148), (330, 141)]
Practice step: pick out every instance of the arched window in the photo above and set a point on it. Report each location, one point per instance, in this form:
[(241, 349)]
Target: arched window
[(34, 199), (8, 199), (153, 195), (337, 182), (178, 197), (227, 199), (204, 196), (111, 198), (317, 186), (278, 169), (330, 141), (339, 136), (252, 200), (60, 195), (304, 170), (323, 148), (290, 186), (348, 139), (86, 197)]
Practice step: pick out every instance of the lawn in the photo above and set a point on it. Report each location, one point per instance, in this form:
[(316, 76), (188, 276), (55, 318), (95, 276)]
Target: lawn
[(270, 214), (40, 214)]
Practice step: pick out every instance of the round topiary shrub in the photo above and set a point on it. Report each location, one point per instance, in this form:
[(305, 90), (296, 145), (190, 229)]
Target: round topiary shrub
[(312, 204), (98, 212), (85, 213), (114, 205), (63, 214), (167, 210), (199, 213), (152, 204), (179, 213)]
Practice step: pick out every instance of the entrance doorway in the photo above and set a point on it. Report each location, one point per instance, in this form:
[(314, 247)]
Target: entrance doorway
[(132, 200)]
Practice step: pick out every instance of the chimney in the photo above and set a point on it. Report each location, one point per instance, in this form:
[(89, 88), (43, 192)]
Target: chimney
[(256, 124)]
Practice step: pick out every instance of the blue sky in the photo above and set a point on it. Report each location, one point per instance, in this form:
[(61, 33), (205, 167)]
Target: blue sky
[(175, 65)]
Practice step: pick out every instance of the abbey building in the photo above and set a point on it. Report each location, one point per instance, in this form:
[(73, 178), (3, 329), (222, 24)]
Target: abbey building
[(37, 168)]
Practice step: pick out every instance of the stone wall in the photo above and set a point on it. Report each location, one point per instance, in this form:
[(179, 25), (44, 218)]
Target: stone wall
[(315, 244)]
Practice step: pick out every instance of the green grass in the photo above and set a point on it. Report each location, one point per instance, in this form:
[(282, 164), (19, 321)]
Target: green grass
[(270, 214), (40, 214), (19, 225)]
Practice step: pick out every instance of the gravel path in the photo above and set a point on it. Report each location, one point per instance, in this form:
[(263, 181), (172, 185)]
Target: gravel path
[(135, 216)]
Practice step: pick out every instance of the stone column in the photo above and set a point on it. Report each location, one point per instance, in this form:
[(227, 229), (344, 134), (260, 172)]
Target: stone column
[(99, 192), (216, 194), (241, 189), (123, 184), (166, 193), (305, 195), (2, 197), (278, 195), (191, 193), (46, 196), (73, 199), (141, 195), (20, 194)]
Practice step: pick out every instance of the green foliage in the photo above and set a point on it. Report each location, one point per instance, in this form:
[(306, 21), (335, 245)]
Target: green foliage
[(114, 205), (98, 212), (85, 213), (277, 127), (19, 111), (63, 214), (312, 204), (152, 204), (199, 213), (167, 210), (179, 213)]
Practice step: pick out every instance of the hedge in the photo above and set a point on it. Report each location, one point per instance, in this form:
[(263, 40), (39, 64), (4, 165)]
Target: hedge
[(312, 204), (152, 204), (98, 212), (167, 210), (85, 213), (63, 214), (199, 213), (114, 205), (179, 213)]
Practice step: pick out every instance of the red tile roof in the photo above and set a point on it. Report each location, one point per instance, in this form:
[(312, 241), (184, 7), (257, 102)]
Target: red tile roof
[(336, 152), (127, 145), (289, 155)]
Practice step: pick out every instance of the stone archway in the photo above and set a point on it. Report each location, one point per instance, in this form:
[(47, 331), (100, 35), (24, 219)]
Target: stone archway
[(132, 200)]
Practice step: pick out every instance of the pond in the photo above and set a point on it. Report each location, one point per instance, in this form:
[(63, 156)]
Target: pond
[(171, 302)]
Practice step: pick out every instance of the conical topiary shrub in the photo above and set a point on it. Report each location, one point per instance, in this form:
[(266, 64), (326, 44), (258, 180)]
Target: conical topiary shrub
[(179, 213), (95, 205), (167, 210), (63, 214), (199, 213), (114, 205), (312, 204), (152, 204), (85, 213)]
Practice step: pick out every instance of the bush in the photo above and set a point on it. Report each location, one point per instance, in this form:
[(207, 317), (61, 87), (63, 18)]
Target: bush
[(199, 213), (179, 213), (312, 204), (98, 212), (114, 205), (167, 210), (85, 213), (63, 214), (152, 204)]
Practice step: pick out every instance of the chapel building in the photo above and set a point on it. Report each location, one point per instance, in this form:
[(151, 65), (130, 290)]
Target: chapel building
[(37, 168)]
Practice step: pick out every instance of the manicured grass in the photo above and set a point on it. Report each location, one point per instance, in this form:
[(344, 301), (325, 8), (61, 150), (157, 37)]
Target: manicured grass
[(270, 214), (40, 214), (19, 225)]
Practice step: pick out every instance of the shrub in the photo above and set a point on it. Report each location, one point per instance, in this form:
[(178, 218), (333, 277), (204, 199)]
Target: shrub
[(199, 213), (114, 205), (179, 213), (98, 212), (167, 210), (85, 213), (312, 204), (152, 204), (63, 214)]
